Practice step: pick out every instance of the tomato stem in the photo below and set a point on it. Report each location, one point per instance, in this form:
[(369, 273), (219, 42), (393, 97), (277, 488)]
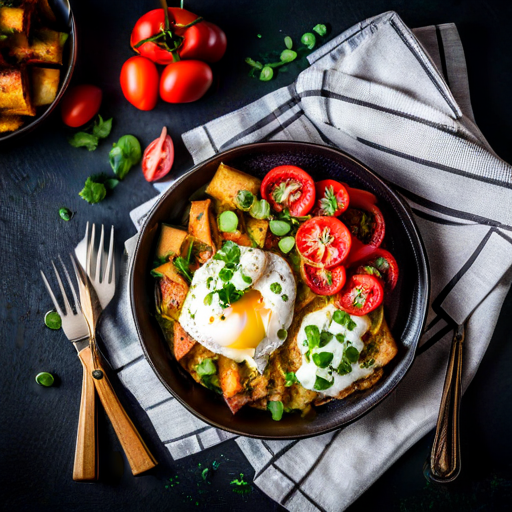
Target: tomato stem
[(166, 14), (191, 24)]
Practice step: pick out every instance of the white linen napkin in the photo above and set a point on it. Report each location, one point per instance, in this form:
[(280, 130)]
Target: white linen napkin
[(398, 100)]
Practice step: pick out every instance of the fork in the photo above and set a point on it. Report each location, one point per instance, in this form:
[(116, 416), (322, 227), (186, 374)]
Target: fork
[(75, 328)]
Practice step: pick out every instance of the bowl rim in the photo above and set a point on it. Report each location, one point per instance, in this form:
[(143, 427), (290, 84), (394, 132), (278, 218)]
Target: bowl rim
[(37, 121), (425, 287)]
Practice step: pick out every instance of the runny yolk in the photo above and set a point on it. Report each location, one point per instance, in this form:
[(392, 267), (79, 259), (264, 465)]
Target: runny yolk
[(252, 318)]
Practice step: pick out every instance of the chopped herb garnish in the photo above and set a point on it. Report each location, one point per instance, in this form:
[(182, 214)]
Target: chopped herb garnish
[(276, 408), (323, 359), (351, 354), (340, 337), (289, 379), (206, 367), (246, 279), (209, 282), (226, 274), (229, 254), (154, 273), (341, 317), (228, 294), (321, 383), (276, 288), (344, 368), (284, 297), (208, 298), (325, 338), (313, 335), (367, 364), (183, 264)]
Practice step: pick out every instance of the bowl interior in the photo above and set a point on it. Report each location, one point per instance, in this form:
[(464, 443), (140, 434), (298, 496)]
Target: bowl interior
[(405, 310), (65, 23)]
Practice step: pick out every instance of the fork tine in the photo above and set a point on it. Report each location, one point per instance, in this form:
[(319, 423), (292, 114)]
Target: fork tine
[(67, 306), (87, 248), (100, 255), (109, 270), (75, 298), (90, 251), (50, 291)]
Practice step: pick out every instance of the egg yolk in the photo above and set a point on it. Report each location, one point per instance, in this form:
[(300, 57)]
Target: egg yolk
[(251, 317)]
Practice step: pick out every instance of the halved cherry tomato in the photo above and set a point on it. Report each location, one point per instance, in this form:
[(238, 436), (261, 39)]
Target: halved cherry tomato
[(323, 281), (158, 157), (202, 41), (80, 104), (366, 222), (332, 198), (360, 295), (323, 241), (185, 81), (380, 263), (358, 195), (359, 251), (139, 82), (288, 186)]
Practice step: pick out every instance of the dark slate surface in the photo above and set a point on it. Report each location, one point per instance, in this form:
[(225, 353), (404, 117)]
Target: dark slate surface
[(42, 173)]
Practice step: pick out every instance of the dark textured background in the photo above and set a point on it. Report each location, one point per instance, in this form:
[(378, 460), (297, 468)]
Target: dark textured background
[(42, 173)]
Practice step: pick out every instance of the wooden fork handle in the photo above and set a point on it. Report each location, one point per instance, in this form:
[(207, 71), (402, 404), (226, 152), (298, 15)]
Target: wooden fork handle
[(138, 455), (85, 468)]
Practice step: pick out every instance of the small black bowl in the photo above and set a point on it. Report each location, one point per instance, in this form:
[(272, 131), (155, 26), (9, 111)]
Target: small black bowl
[(65, 23), (405, 312)]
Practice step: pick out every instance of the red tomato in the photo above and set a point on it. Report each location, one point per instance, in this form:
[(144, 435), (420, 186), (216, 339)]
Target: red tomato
[(80, 104), (323, 241), (356, 195), (289, 187), (158, 157), (323, 281), (360, 295), (203, 41), (380, 263), (359, 251), (331, 198), (185, 81), (139, 82), (366, 222)]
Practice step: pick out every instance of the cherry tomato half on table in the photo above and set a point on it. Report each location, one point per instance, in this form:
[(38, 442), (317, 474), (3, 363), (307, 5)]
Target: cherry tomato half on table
[(80, 104), (288, 186), (158, 157), (332, 198), (381, 264), (202, 41), (185, 81), (323, 241), (360, 295), (324, 281), (139, 82)]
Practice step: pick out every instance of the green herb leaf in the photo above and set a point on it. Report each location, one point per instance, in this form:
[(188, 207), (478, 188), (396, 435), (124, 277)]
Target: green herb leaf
[(288, 56), (367, 364), (111, 183), (260, 209), (206, 367), (228, 221), (341, 317), (254, 63), (183, 267), (288, 42), (45, 379), (351, 354), (313, 335), (325, 338), (289, 379), (83, 139), (229, 294), (154, 273), (266, 74), (308, 40), (52, 320), (246, 279), (229, 253), (244, 200), (284, 297), (321, 383), (212, 382), (208, 282), (276, 288), (93, 192), (276, 408), (340, 337), (226, 274), (279, 227), (351, 325), (286, 244), (344, 368), (323, 359), (65, 214), (123, 155), (208, 298), (102, 129), (131, 148), (320, 29)]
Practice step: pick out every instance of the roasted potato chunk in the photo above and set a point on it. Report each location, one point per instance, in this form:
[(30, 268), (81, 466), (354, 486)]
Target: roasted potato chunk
[(45, 84)]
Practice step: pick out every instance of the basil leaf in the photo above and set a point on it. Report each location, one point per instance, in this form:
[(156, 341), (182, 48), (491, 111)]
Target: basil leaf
[(119, 162), (102, 129), (325, 338), (321, 384), (313, 335), (131, 148), (340, 337), (341, 317), (289, 379), (323, 359), (244, 200), (206, 367), (284, 297), (351, 354), (344, 368), (83, 139), (351, 325), (93, 192), (276, 408), (111, 183)]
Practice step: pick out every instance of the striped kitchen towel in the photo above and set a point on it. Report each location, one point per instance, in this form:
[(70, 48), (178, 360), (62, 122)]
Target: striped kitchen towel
[(398, 100)]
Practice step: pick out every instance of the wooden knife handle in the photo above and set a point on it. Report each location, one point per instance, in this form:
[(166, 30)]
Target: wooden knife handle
[(445, 461), (85, 468), (138, 455)]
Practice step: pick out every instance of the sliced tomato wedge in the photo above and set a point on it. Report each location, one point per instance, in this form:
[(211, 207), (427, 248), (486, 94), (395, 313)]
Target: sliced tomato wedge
[(324, 281), (331, 198), (158, 157), (382, 264), (323, 241), (360, 295), (366, 222), (288, 186)]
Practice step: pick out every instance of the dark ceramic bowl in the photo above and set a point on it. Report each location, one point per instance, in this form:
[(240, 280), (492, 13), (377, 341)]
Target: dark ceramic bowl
[(405, 311), (65, 23)]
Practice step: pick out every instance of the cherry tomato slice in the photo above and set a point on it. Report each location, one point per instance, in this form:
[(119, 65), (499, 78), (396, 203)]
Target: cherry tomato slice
[(185, 81), (360, 295), (380, 263), (332, 198), (288, 186), (323, 241), (158, 157), (366, 222), (139, 82), (80, 104), (323, 281)]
